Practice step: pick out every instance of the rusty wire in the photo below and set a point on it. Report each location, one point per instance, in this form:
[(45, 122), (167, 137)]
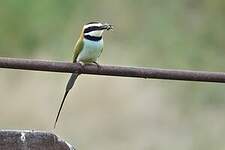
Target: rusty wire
[(139, 72)]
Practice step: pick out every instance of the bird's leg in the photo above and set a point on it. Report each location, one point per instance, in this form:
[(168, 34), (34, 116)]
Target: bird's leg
[(96, 63), (98, 66), (81, 65)]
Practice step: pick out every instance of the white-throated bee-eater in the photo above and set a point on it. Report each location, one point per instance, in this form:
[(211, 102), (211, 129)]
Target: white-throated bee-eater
[(87, 50)]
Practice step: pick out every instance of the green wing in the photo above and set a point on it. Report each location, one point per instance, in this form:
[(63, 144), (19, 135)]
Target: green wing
[(77, 49), (101, 51)]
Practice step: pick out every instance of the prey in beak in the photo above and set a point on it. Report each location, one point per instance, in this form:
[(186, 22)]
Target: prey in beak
[(107, 26)]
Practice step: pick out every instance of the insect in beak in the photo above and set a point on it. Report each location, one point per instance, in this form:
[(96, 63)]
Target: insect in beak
[(107, 26)]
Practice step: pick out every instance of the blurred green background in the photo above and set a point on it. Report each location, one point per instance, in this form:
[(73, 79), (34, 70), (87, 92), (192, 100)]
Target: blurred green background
[(110, 112)]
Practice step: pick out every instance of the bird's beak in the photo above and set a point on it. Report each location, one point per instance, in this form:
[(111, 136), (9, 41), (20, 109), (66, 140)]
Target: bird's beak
[(107, 26)]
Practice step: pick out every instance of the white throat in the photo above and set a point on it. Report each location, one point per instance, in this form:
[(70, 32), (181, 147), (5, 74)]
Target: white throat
[(95, 33)]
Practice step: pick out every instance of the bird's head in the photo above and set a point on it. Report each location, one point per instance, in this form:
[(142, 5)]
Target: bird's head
[(96, 29)]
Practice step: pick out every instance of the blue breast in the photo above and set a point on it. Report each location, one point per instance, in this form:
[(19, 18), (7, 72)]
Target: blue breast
[(91, 51)]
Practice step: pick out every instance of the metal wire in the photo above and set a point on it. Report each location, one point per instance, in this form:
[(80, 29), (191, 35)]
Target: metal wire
[(156, 73)]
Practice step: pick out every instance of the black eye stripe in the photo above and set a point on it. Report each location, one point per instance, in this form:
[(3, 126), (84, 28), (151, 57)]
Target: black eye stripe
[(93, 28)]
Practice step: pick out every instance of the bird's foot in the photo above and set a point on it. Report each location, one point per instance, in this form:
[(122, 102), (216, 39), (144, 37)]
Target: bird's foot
[(95, 63), (98, 66), (81, 63)]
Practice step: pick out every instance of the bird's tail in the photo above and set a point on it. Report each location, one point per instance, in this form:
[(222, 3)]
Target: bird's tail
[(68, 87)]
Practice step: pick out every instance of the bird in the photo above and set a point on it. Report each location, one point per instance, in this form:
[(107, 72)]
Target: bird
[(87, 50)]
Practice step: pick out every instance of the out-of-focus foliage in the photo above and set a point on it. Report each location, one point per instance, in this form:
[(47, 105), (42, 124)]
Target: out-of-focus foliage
[(118, 113), (187, 32), (27, 24)]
